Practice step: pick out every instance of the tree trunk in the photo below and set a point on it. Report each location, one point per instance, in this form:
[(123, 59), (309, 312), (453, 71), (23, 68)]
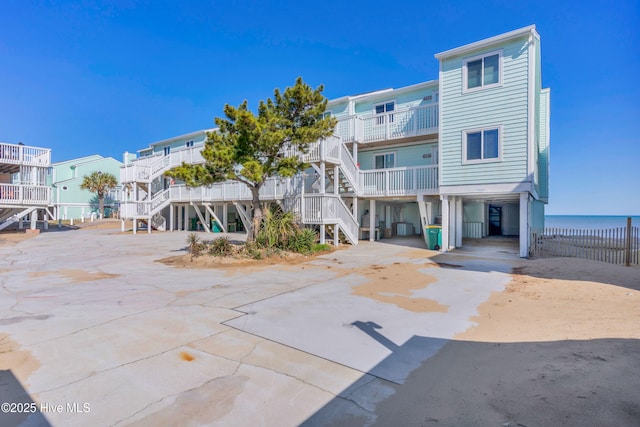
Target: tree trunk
[(257, 213), (101, 205)]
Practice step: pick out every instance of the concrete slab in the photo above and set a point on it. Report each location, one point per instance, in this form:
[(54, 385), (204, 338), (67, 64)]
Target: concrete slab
[(329, 321)]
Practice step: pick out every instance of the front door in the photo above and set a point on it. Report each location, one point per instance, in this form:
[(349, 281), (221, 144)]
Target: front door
[(495, 220)]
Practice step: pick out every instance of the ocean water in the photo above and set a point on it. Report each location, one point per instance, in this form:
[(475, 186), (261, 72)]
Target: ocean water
[(589, 221)]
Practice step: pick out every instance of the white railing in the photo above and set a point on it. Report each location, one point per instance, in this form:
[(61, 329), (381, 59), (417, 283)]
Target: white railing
[(422, 120), (19, 194), (148, 168), (229, 191), (349, 128), (399, 181), (25, 155), (329, 209)]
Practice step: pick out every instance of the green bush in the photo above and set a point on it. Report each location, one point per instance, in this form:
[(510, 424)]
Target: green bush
[(302, 241), (320, 247), (276, 229), (221, 246)]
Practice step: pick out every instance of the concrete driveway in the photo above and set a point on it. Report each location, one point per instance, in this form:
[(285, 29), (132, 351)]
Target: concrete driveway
[(96, 332)]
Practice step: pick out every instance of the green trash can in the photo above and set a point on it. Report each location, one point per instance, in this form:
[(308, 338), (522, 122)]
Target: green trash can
[(194, 224), (215, 227), (433, 237)]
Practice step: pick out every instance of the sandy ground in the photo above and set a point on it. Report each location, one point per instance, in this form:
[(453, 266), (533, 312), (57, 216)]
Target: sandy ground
[(562, 299)]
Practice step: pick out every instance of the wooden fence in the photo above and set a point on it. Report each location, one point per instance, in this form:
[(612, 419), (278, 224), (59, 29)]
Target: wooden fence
[(614, 245)]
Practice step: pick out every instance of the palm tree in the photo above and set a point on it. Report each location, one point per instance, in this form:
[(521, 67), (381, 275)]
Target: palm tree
[(99, 183)]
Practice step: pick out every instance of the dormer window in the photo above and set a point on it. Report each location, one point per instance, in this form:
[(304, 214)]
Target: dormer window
[(166, 150), (381, 111), (189, 143), (482, 72)]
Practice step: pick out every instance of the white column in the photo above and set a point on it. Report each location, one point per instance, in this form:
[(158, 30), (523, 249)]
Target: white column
[(225, 218), (135, 226), (336, 232), (122, 225), (354, 209), (372, 220), (187, 208), (34, 219), (46, 220), (524, 225), (180, 221), (459, 217), (336, 180), (322, 177), (322, 233), (172, 214), (445, 223)]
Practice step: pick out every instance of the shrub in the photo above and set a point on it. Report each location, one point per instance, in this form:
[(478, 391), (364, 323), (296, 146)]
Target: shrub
[(276, 229), (221, 246), (194, 245), (302, 241)]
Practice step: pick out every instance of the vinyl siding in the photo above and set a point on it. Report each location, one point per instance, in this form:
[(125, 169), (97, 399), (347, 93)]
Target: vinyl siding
[(405, 156), (504, 106), (404, 101), (180, 143), (339, 110)]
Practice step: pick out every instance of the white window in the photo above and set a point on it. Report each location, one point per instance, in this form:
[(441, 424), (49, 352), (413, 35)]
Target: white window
[(481, 72), (382, 110), (326, 114), (384, 161), (166, 150), (482, 145), (190, 143)]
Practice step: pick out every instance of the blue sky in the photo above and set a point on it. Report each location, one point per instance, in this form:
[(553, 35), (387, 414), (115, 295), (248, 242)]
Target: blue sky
[(90, 77)]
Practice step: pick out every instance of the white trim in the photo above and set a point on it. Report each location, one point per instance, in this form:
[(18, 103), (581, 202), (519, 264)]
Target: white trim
[(177, 138), (486, 189), (482, 160), (486, 42), (531, 111), (465, 72), (440, 121)]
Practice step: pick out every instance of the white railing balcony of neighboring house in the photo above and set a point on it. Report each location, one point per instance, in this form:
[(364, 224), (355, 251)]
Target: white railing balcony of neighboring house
[(21, 194), (402, 181), (24, 155), (146, 168), (421, 120)]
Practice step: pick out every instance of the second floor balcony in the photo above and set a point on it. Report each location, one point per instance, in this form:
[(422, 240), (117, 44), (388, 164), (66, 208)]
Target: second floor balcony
[(416, 121), (17, 154)]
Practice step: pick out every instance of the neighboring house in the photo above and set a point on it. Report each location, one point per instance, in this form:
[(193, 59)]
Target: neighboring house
[(23, 188), (69, 200), (469, 151)]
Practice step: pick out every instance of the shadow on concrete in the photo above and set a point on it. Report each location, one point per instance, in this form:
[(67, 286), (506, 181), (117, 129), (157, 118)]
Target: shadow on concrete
[(18, 408), (559, 383)]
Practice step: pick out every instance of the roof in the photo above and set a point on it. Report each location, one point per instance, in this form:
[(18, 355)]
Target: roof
[(487, 42), (175, 138)]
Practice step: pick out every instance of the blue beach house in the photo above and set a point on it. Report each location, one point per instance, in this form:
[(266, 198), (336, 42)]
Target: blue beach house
[(468, 151)]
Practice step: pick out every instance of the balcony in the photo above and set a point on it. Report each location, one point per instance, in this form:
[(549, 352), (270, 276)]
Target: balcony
[(407, 181), (415, 121), (21, 195), (12, 156)]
